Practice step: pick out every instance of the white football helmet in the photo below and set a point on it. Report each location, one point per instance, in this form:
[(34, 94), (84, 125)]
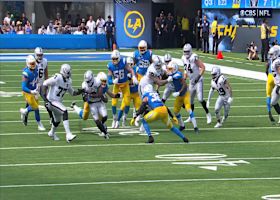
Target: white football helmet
[(187, 49), (142, 46), (38, 52), (148, 88), (157, 62), (116, 57), (88, 77), (65, 70), (152, 71), (274, 52), (103, 78), (31, 62), (172, 68), (167, 58), (130, 61), (215, 72)]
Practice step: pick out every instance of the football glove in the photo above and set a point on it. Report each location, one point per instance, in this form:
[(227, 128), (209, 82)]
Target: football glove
[(169, 79), (176, 94), (116, 81), (132, 121), (118, 95), (134, 80), (137, 119), (230, 99), (35, 92), (175, 120)]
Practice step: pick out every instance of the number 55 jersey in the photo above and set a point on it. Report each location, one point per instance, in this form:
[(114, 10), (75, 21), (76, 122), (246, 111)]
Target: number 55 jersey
[(58, 86)]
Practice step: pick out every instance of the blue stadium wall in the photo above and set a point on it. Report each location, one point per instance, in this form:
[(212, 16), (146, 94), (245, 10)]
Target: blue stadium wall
[(13, 41)]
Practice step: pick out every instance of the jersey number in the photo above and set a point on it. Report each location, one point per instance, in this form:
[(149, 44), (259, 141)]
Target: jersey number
[(188, 67), (61, 92), (155, 97), (41, 73), (119, 74), (221, 91)]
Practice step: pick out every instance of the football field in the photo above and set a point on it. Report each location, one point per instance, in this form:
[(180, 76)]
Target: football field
[(241, 160)]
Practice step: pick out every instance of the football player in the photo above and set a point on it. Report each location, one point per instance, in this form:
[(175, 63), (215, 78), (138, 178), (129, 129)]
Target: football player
[(134, 95), (221, 84), (57, 86), (30, 92), (169, 88), (273, 54), (117, 75), (158, 111), (194, 70), (276, 90), (181, 94), (142, 58)]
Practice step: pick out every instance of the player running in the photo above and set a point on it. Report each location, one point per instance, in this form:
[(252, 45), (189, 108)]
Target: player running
[(117, 75), (158, 111), (30, 92), (194, 70), (58, 85), (142, 58), (276, 90), (221, 84)]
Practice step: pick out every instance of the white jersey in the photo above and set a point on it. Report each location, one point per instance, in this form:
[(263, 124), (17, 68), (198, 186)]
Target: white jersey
[(220, 86), (92, 88), (58, 86), (274, 72), (191, 69), (42, 66), (146, 79)]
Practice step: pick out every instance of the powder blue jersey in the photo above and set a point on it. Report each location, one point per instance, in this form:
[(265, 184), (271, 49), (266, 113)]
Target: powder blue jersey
[(142, 61), (177, 76), (119, 70), (154, 100), (30, 77)]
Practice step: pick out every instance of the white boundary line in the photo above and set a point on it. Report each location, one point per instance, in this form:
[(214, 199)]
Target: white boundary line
[(140, 181), (136, 144), (120, 162)]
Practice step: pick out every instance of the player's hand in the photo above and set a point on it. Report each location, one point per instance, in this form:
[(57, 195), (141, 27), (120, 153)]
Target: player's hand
[(230, 99), (129, 76), (175, 120), (134, 80), (35, 92), (132, 121), (197, 79), (104, 98), (176, 94), (169, 79), (208, 104), (118, 95), (137, 119), (116, 81)]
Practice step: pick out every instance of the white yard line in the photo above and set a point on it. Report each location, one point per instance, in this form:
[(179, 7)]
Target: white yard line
[(141, 181), (119, 162), (135, 144)]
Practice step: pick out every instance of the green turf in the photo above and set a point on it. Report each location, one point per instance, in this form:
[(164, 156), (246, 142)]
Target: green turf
[(124, 167)]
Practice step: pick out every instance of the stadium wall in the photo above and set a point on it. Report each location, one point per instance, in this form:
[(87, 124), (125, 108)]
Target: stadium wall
[(10, 41)]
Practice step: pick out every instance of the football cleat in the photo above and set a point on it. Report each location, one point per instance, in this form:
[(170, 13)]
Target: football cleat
[(223, 120), (117, 124), (142, 129), (188, 120), (73, 104), (23, 116), (196, 130), (151, 139), (185, 140), (114, 123), (272, 120), (53, 136), (40, 126), (209, 118), (106, 136), (218, 125), (70, 137), (182, 128), (123, 122)]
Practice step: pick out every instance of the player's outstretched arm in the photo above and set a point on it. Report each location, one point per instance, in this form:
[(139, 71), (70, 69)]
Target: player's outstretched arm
[(211, 92)]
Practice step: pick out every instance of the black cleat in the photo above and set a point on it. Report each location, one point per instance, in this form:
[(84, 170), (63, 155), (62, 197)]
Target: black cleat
[(272, 120), (196, 130), (182, 128), (73, 104), (151, 139), (25, 119), (185, 140)]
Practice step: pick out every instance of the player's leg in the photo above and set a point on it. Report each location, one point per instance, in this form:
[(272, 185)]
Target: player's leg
[(269, 88), (226, 111), (275, 98), (166, 93), (192, 90), (150, 117), (94, 109), (187, 104), (103, 114), (125, 103), (114, 105), (56, 117), (179, 101), (218, 105), (202, 101)]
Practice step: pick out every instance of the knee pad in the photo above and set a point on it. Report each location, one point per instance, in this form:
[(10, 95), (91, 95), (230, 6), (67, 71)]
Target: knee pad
[(65, 115)]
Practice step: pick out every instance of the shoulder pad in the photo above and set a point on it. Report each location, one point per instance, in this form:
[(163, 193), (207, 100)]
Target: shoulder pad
[(222, 79), (194, 57), (177, 75), (25, 74)]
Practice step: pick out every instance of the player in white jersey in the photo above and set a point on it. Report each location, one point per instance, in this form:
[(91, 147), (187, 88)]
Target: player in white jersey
[(57, 86), (169, 88), (275, 96), (221, 84), (93, 91), (194, 70)]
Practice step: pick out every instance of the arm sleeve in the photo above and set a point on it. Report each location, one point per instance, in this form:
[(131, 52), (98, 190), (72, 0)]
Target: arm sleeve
[(110, 80), (211, 92), (24, 87)]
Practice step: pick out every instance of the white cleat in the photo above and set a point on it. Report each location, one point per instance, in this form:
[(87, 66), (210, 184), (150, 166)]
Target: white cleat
[(117, 124), (40, 126), (218, 125), (124, 123), (209, 118), (53, 136), (279, 120), (23, 116), (188, 120), (70, 137), (114, 123), (223, 119), (142, 129)]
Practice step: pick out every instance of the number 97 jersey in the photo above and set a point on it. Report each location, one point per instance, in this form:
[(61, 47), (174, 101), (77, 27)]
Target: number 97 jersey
[(220, 85), (42, 66)]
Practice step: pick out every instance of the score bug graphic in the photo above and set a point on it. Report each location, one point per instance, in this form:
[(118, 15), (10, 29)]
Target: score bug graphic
[(134, 24)]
